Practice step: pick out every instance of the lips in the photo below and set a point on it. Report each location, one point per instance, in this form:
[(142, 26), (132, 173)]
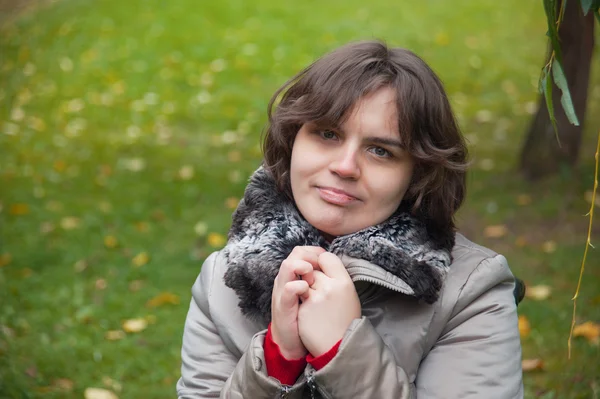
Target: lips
[(336, 196)]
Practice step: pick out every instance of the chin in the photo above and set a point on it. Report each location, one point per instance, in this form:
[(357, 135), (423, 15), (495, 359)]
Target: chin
[(333, 229)]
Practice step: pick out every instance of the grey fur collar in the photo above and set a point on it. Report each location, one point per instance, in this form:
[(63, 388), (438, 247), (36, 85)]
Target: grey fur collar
[(266, 227)]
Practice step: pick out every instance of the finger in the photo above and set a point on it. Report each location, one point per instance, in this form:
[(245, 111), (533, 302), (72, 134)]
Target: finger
[(307, 253), (290, 269), (292, 291), (332, 266), (319, 279)]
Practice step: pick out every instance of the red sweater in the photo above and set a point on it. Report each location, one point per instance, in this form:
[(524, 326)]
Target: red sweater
[(287, 371)]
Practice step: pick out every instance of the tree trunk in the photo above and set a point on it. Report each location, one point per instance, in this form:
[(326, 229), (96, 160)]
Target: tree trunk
[(542, 154)]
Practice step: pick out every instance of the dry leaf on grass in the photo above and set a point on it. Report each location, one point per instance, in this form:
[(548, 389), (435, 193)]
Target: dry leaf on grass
[(232, 202), (216, 240), (136, 285), (115, 335), (532, 365), (5, 259), (524, 199), (524, 326), (112, 384), (70, 222), (588, 197), (589, 330), (549, 247), (163, 299), (135, 325), (110, 242), (495, 231), (63, 384), (140, 259), (538, 292), (18, 209), (186, 172), (99, 393)]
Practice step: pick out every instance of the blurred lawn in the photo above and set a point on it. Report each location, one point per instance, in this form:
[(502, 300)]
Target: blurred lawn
[(129, 128)]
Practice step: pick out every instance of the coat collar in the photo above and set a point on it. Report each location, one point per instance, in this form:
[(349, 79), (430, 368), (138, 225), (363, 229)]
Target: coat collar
[(266, 226)]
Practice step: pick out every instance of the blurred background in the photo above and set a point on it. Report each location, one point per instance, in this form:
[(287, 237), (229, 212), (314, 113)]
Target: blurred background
[(129, 129)]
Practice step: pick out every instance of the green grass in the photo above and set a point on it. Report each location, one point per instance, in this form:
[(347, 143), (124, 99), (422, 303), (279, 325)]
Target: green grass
[(103, 103)]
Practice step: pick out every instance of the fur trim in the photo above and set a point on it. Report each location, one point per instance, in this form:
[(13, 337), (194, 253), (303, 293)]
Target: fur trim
[(267, 226)]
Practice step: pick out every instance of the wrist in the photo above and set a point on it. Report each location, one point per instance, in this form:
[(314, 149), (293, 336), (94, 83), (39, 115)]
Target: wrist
[(289, 354)]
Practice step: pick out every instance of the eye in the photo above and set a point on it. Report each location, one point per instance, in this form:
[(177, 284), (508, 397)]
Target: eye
[(328, 134), (381, 152)]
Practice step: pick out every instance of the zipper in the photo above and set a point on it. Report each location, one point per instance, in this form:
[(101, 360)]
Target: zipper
[(380, 283), (285, 390)]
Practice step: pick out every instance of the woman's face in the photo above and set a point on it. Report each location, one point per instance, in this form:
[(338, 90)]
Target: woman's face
[(355, 177)]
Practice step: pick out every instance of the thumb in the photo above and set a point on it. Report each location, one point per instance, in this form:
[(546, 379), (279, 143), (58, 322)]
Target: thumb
[(332, 266), (292, 291)]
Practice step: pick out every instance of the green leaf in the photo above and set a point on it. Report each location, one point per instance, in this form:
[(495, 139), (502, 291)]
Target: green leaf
[(586, 5), (547, 85), (597, 15), (550, 10), (565, 99)]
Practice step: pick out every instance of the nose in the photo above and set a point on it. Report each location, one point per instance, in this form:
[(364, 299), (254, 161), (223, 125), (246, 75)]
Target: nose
[(345, 164)]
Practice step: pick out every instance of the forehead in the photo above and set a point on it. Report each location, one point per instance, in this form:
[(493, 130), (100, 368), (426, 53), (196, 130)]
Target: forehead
[(375, 113)]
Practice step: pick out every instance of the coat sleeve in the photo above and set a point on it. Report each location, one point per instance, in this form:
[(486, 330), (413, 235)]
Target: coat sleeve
[(364, 367), (209, 369), (478, 354)]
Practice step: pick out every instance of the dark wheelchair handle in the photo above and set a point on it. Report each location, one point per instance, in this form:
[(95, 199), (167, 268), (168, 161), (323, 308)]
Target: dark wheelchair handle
[(519, 291)]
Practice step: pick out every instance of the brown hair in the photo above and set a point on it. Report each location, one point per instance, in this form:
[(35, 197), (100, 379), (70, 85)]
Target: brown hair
[(327, 89)]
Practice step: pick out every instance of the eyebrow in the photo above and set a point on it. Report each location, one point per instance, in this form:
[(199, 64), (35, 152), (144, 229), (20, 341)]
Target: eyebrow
[(385, 141)]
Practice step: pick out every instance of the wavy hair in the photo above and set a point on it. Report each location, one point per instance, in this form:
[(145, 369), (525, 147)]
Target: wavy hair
[(326, 90)]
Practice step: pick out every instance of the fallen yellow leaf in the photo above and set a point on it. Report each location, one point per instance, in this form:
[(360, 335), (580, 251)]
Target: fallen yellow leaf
[(109, 382), (110, 242), (589, 330), (99, 393), (232, 202), (115, 335), (589, 195), (201, 229), (523, 199), (532, 365), (162, 299), (63, 384), (186, 172), (135, 325), (60, 166), (538, 292), (216, 240), (136, 285), (142, 227), (70, 222), (140, 259), (234, 156), (5, 259), (524, 326), (495, 231), (18, 209), (80, 265), (521, 241), (101, 284), (442, 39), (549, 247)]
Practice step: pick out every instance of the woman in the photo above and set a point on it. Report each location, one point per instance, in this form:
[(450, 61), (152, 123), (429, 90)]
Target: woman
[(343, 276)]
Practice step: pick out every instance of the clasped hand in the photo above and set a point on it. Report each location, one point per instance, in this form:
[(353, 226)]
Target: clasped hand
[(313, 303)]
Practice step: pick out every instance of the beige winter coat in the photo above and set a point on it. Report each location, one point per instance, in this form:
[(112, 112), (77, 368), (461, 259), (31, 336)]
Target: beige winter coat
[(439, 319), (466, 345)]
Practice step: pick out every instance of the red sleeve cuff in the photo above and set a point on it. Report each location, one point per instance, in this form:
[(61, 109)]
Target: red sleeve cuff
[(321, 361), (286, 371)]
